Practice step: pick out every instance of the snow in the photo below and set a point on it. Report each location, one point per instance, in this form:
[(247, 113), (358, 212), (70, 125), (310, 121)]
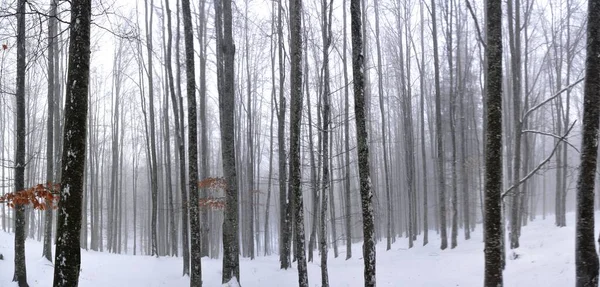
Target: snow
[(546, 258)]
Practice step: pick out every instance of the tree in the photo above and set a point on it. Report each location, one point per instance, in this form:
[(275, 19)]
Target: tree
[(68, 252), (231, 244), (586, 257), (362, 143), (493, 154), (52, 73), (326, 35), (20, 266), (296, 98), (439, 135), (196, 262)]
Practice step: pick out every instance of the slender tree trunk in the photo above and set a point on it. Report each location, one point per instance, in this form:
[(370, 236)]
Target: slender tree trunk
[(285, 234), (362, 144), (196, 262), (439, 134), (423, 152), (20, 275), (347, 192), (179, 117), (295, 121), (52, 45)]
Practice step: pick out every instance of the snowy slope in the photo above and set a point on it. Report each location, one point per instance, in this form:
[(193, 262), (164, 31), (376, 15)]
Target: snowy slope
[(546, 258)]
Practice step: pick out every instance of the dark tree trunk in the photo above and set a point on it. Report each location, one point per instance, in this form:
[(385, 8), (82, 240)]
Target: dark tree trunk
[(68, 252), (196, 262), (493, 159), (295, 189), (586, 258), (362, 143), (20, 266)]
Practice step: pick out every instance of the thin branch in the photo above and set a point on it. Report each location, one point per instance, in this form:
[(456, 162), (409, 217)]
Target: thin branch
[(537, 168), (551, 135), (479, 37), (551, 98)]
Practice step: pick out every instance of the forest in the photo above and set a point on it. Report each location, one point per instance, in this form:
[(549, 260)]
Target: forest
[(248, 139)]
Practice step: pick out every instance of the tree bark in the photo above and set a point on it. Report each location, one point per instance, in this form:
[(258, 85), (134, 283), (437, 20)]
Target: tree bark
[(68, 252), (20, 275), (231, 246), (493, 160), (362, 144), (586, 256)]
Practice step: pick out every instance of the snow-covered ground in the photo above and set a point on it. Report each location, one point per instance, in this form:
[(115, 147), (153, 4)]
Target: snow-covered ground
[(546, 258)]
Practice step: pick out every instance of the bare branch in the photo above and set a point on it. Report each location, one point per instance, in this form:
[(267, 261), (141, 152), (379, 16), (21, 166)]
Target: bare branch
[(479, 37), (551, 135), (551, 98), (537, 168)]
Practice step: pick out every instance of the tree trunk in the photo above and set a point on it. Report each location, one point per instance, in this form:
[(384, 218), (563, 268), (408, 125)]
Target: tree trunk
[(20, 275), (52, 45), (196, 262), (493, 160), (68, 251), (231, 246), (439, 134), (362, 144), (284, 229), (295, 189), (586, 257)]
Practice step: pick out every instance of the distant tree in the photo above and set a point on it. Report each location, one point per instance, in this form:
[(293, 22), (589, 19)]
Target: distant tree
[(68, 252)]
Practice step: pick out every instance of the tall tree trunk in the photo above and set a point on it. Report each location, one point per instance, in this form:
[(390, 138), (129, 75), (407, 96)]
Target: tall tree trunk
[(148, 12), (514, 28), (196, 262), (250, 143), (347, 195), (388, 195), (493, 160), (439, 134), (296, 96), (20, 265), (68, 251), (231, 246), (586, 257), (423, 152), (179, 116), (326, 36), (284, 232), (205, 230), (52, 45), (362, 144)]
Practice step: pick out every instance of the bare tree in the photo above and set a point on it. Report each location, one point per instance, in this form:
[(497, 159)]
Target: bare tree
[(493, 175), (362, 143), (68, 252)]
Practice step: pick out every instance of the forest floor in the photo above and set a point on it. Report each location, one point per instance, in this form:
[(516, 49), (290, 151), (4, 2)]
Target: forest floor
[(545, 258)]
